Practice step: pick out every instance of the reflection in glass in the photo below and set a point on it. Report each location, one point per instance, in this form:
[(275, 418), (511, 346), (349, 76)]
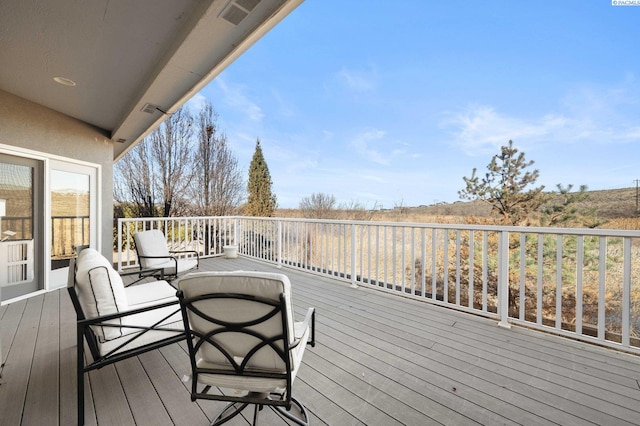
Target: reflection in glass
[(16, 189), (69, 215)]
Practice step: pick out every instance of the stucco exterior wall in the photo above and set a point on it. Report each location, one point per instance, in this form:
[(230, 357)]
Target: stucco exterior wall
[(30, 126)]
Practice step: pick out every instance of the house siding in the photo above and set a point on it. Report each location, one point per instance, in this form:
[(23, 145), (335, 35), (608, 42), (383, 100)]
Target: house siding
[(27, 125)]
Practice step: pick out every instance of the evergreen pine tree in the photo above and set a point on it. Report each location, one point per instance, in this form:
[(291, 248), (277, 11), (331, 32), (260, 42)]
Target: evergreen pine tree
[(261, 201), (505, 186)]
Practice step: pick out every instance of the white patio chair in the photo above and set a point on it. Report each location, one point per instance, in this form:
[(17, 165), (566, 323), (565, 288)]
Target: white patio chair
[(118, 321), (153, 253), (242, 339)]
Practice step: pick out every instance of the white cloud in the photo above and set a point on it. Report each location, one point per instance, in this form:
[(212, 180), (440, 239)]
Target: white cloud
[(358, 81), (196, 103), (235, 97), (481, 128), (365, 142), (327, 134), (284, 108), (586, 115)]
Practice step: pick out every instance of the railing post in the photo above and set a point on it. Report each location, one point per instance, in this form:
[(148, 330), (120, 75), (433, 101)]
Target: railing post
[(626, 293), (235, 231), (353, 256), (279, 244), (119, 245), (503, 279)]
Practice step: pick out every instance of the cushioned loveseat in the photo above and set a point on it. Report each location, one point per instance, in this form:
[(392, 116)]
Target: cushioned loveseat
[(118, 321)]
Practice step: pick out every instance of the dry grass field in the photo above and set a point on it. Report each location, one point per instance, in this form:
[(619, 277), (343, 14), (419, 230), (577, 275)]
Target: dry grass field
[(610, 209)]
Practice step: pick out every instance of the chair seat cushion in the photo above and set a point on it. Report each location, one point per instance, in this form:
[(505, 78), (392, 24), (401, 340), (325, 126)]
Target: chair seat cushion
[(146, 338), (141, 296), (169, 266), (150, 293)]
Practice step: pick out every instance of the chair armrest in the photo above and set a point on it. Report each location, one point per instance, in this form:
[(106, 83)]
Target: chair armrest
[(175, 261), (309, 321), (116, 353), (156, 257), (144, 273), (96, 320), (187, 251)]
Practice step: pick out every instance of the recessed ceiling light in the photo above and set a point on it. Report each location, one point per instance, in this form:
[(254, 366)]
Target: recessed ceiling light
[(64, 81)]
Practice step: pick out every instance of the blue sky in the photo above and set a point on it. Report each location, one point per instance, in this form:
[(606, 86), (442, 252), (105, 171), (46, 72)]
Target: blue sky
[(392, 102)]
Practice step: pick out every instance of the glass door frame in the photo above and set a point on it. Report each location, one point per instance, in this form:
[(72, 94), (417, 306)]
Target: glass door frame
[(25, 252), (95, 207), (58, 277)]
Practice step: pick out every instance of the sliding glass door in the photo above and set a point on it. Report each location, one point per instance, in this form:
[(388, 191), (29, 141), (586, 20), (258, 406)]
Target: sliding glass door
[(21, 226)]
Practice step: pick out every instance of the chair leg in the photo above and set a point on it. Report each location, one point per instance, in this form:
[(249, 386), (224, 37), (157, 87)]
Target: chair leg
[(256, 410), (80, 374), (282, 412), (229, 412)]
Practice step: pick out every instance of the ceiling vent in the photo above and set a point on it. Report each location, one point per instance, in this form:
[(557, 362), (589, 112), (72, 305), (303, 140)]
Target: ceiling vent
[(237, 10), (150, 108), (121, 140), (248, 5)]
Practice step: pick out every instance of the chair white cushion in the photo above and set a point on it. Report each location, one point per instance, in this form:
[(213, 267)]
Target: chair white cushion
[(257, 384), (152, 243), (263, 284), (144, 339), (140, 296), (100, 290)]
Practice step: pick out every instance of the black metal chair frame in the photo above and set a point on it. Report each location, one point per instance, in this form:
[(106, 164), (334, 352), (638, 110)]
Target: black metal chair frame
[(84, 331), (165, 276), (281, 404)]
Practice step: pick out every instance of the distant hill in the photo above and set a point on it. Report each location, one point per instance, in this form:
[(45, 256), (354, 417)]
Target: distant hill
[(607, 204)]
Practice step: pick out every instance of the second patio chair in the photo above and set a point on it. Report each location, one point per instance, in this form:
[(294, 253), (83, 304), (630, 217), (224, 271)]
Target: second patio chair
[(153, 253), (242, 339)]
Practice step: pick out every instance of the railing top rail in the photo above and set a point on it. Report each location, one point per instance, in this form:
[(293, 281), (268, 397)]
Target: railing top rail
[(492, 228)]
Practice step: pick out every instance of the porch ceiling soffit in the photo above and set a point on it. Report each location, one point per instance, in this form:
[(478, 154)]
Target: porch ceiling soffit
[(123, 55)]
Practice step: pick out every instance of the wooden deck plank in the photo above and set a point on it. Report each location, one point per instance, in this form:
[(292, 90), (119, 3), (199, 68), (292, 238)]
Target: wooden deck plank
[(471, 398), (611, 412), (146, 406), (582, 383), (322, 408), (352, 403), (171, 390), (68, 356), (560, 359), (43, 391), (380, 359), (522, 342), (110, 401), (12, 314), (178, 359), (401, 403), (523, 382), (433, 394), (17, 370), (513, 347)]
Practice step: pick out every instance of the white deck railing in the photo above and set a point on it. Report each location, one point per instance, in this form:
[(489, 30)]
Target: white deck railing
[(580, 283)]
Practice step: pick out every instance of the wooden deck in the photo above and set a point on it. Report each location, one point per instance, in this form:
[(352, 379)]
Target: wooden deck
[(381, 359)]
